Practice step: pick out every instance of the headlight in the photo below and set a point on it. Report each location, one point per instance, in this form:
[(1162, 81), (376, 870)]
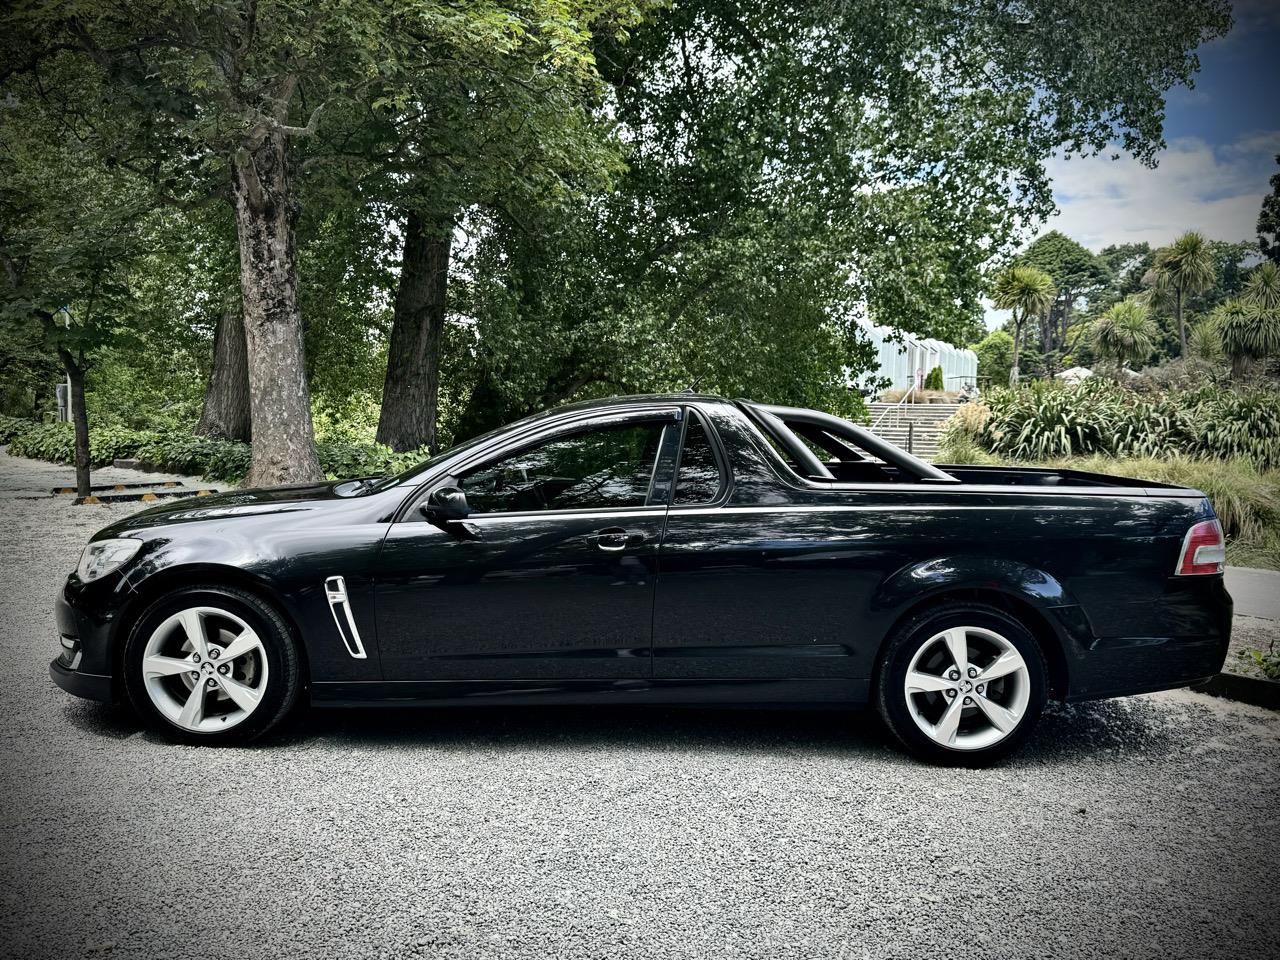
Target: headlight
[(105, 556)]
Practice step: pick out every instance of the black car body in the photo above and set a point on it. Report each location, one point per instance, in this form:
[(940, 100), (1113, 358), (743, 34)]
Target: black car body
[(674, 548)]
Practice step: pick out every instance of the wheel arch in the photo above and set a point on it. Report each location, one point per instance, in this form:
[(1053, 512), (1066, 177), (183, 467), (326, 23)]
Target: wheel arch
[(191, 575), (1034, 619)]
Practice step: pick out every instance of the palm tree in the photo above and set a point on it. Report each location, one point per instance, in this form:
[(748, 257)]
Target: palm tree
[(1125, 333), (1028, 292), (1250, 326), (1184, 269)]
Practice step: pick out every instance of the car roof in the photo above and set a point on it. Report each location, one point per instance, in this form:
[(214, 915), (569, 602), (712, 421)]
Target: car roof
[(683, 396)]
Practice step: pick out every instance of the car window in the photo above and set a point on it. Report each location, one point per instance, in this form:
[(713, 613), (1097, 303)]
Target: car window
[(609, 467), (698, 480)]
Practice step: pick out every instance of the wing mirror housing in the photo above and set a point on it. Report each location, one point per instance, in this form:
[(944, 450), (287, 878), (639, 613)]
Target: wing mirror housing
[(446, 505)]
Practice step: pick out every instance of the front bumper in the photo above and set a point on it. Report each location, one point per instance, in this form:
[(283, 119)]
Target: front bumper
[(91, 686), (86, 619)]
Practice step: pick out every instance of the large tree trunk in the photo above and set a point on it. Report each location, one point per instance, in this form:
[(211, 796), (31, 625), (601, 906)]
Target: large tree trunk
[(284, 448), (1017, 348), (226, 398), (411, 391), (79, 417)]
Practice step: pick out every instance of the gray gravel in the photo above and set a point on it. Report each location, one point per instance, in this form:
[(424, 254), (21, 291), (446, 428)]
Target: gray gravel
[(1143, 827)]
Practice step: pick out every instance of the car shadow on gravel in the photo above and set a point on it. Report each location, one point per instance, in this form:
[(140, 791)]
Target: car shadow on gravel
[(1102, 730)]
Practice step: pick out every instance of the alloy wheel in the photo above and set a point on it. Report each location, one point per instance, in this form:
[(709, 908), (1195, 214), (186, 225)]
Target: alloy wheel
[(205, 669), (967, 688)]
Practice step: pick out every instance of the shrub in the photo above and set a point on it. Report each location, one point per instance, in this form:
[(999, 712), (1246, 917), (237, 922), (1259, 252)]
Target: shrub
[(226, 460), (10, 427), (1241, 424), (56, 442), (1044, 421), (934, 380)]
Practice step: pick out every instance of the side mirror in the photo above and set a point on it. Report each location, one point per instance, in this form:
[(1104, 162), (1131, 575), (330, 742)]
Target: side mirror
[(445, 505)]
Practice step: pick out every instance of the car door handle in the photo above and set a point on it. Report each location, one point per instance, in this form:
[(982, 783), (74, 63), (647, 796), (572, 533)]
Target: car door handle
[(614, 539)]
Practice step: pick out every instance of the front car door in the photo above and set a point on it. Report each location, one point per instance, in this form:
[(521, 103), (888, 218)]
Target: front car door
[(552, 576)]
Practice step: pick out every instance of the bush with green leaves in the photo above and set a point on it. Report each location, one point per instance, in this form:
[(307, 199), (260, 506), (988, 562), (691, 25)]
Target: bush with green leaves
[(10, 427), (57, 442), (1238, 425), (181, 451), (1042, 421), (934, 380)]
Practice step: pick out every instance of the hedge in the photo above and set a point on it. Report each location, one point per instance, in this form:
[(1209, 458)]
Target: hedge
[(184, 452)]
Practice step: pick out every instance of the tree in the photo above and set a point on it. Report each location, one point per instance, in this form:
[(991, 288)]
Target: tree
[(244, 85), (995, 356), (1184, 268), (1269, 221), (226, 410), (1126, 332), (791, 166), (70, 232), (1028, 292), (1077, 273), (1249, 327)]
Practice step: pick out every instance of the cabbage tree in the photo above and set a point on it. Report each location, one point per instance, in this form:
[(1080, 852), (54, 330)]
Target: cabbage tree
[(1028, 292)]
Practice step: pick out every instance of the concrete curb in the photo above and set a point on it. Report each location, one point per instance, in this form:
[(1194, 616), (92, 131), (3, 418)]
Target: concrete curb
[(1252, 690)]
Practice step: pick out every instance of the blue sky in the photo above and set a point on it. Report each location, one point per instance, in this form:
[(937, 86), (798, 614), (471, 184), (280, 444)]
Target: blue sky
[(1223, 137)]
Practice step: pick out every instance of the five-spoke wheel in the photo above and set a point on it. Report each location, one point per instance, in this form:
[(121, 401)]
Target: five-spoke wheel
[(962, 683), (214, 664)]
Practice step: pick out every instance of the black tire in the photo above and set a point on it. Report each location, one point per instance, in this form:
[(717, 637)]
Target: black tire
[(896, 655), (283, 679)]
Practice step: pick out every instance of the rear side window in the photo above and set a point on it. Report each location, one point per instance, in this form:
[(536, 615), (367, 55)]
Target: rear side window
[(698, 480)]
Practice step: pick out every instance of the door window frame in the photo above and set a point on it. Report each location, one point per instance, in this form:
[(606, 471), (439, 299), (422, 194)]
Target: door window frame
[(717, 451)]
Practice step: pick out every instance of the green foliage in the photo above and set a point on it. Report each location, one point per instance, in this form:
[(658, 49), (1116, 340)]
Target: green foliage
[(180, 451), (1125, 333), (995, 356), (10, 427), (1238, 425), (56, 442), (1045, 420), (934, 380)]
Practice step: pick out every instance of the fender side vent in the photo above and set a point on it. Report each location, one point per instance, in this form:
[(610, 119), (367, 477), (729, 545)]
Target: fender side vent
[(335, 589)]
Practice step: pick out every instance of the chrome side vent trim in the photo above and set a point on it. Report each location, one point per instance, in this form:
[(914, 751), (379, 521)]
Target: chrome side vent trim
[(335, 589)]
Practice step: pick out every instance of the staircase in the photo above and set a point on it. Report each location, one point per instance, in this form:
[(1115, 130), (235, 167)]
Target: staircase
[(915, 427)]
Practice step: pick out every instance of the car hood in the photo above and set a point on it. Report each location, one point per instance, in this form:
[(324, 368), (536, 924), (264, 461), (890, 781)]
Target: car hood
[(228, 505)]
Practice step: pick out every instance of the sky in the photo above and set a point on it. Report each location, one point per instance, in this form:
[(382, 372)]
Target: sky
[(1223, 137)]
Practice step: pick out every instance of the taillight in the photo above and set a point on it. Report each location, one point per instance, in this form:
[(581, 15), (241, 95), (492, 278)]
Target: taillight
[(1203, 550)]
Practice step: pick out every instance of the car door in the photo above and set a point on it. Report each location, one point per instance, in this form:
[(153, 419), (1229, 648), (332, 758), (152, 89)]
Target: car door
[(551, 576), (753, 585)]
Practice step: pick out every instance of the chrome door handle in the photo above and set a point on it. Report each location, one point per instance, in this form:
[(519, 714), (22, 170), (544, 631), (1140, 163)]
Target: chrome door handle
[(614, 539)]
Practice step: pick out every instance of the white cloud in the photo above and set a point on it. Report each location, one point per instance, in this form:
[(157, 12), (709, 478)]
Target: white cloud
[(1195, 187)]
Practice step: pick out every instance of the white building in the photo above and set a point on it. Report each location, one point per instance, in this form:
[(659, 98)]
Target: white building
[(907, 359)]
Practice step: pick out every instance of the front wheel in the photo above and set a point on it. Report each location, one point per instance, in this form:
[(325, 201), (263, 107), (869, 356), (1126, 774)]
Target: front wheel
[(962, 684), (211, 665)]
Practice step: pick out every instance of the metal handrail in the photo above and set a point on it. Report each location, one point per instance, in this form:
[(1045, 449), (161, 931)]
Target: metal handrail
[(897, 407)]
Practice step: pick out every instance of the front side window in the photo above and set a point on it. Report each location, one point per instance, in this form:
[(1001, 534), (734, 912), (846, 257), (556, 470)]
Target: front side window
[(698, 480), (610, 467)]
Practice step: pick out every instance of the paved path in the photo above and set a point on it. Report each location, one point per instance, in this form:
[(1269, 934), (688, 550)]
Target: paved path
[(1255, 592), (1137, 828)]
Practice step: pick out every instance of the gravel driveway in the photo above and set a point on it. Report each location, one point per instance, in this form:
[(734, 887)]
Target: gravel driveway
[(1144, 827)]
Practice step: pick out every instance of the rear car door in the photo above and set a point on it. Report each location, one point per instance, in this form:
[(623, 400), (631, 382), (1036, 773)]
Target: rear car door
[(553, 574)]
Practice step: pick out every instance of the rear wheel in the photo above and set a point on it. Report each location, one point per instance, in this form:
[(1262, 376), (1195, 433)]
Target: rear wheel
[(211, 665), (962, 684)]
